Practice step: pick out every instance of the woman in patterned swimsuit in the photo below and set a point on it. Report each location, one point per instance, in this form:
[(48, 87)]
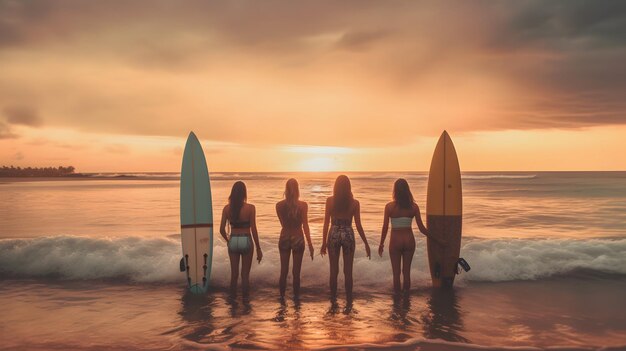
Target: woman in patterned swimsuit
[(340, 209)]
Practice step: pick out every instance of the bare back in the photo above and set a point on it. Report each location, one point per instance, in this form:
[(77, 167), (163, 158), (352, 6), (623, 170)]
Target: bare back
[(287, 220), (342, 215), (395, 210), (246, 214)]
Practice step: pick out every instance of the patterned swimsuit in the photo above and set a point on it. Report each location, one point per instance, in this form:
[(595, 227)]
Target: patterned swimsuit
[(291, 236), (341, 235)]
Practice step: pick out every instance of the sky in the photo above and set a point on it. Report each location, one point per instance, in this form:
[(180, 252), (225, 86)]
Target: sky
[(313, 85)]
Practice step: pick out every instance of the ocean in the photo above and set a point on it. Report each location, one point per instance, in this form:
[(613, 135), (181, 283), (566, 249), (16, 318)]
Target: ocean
[(92, 263)]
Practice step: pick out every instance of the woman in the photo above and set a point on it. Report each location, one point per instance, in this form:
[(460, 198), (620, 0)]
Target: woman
[(401, 211), (242, 218), (292, 214), (340, 209)]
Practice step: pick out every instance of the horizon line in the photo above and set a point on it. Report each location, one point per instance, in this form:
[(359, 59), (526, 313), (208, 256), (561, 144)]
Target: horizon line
[(353, 171)]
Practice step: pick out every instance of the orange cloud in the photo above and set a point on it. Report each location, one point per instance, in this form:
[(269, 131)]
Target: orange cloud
[(253, 77)]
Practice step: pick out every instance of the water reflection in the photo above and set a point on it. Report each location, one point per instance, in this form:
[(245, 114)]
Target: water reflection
[(442, 317), (400, 311), (197, 314), (238, 309), (282, 311), (338, 323), (334, 308), (291, 326)]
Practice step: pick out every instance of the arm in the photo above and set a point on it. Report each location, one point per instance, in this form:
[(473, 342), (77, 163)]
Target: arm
[(423, 229), (255, 234), (383, 233), (326, 225), (305, 227), (359, 227), (223, 224)]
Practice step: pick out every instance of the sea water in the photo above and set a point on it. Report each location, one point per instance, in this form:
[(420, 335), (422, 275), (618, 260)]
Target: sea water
[(93, 263)]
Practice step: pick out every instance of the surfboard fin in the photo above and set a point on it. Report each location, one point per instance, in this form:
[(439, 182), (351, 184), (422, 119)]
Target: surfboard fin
[(182, 264), (461, 262)]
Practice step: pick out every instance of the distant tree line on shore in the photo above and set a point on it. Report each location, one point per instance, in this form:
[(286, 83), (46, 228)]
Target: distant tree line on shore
[(11, 171)]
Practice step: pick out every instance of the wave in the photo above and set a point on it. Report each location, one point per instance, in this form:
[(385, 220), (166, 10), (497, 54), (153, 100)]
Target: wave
[(498, 176), (132, 175), (531, 259), (279, 176), (155, 260)]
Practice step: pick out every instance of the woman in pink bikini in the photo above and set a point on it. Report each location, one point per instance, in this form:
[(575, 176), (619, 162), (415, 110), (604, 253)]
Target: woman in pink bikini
[(293, 216)]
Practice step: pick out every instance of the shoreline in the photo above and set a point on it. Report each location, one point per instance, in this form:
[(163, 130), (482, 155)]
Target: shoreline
[(477, 317)]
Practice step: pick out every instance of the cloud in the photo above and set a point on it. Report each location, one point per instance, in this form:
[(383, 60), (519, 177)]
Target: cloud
[(359, 41), (563, 25), (24, 115), (349, 73), (5, 131), (117, 149)]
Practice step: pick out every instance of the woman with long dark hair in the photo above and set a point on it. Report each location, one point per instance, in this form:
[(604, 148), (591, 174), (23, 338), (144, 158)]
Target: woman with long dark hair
[(341, 208), (401, 212), (293, 216), (242, 219)]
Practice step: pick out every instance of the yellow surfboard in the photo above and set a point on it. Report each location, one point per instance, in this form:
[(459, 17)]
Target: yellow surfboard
[(444, 212)]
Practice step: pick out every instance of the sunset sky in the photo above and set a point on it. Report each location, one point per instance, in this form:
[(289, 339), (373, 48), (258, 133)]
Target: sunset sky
[(316, 85)]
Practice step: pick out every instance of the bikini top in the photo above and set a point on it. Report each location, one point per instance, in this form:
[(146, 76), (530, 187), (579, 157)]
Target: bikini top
[(240, 224), (401, 222)]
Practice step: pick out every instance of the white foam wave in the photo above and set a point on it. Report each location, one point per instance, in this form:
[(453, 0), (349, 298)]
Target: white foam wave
[(528, 259), (156, 260), (73, 257)]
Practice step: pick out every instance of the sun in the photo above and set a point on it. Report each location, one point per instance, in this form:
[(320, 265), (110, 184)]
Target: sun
[(318, 164), (319, 158)]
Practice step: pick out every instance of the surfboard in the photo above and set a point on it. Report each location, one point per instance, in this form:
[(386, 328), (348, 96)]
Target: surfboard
[(196, 217), (444, 212)]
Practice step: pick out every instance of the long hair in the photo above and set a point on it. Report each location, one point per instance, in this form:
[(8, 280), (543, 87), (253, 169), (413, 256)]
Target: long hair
[(342, 193), (292, 195), (238, 195), (402, 194)]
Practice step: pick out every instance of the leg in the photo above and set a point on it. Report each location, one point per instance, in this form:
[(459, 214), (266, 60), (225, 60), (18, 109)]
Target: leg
[(333, 257), (284, 269), (246, 265), (395, 255), (234, 271), (407, 258), (348, 260), (295, 274)]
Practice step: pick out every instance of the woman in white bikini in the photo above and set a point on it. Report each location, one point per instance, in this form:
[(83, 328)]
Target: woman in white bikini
[(401, 212), (242, 218)]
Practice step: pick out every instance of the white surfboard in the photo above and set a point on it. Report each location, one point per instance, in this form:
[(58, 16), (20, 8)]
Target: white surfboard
[(196, 217)]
